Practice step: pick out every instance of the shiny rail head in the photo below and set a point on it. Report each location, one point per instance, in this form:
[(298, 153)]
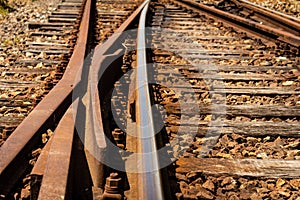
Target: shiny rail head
[(189, 113)]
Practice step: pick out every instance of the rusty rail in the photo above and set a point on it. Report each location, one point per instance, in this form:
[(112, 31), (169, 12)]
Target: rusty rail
[(55, 109), (295, 19), (57, 167), (47, 113), (57, 155), (103, 56), (285, 22), (149, 182), (242, 23)]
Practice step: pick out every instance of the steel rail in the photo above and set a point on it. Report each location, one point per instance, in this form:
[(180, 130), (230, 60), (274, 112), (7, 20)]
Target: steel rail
[(242, 23), (47, 113), (58, 100), (272, 11), (51, 109), (150, 180), (104, 54), (285, 22), (57, 167)]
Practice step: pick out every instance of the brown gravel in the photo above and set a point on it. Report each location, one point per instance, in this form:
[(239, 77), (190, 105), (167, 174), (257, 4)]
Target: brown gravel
[(256, 53), (21, 86), (201, 186)]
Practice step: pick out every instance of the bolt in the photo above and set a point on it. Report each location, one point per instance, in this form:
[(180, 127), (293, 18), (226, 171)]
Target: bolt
[(113, 188)]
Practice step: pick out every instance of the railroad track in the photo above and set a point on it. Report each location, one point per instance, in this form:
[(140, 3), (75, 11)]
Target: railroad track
[(262, 15), (226, 76), (287, 7), (44, 57), (253, 19), (225, 121)]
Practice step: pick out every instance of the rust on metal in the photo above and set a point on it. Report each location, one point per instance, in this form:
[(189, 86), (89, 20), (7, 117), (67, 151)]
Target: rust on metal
[(37, 172), (95, 134), (113, 188), (287, 24), (276, 13), (243, 23), (45, 114), (55, 178)]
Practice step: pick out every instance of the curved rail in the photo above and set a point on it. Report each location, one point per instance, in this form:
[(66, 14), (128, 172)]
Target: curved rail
[(59, 157), (149, 183), (95, 137), (47, 113), (50, 111), (151, 179)]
